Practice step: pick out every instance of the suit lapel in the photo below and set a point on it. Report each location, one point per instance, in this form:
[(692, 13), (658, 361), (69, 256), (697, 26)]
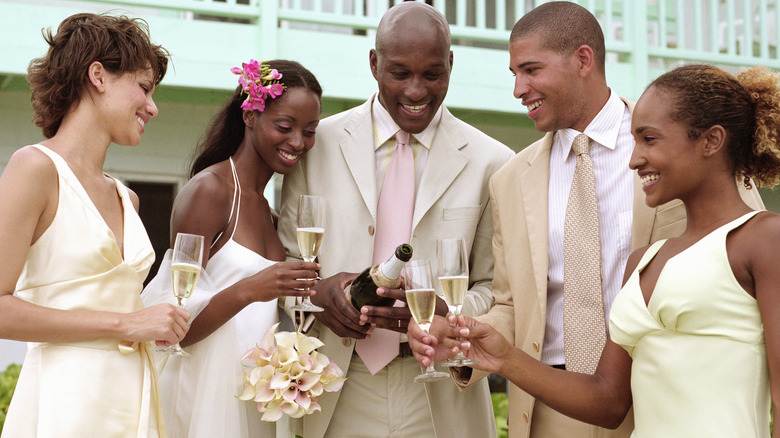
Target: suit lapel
[(444, 163), (359, 156), (533, 184)]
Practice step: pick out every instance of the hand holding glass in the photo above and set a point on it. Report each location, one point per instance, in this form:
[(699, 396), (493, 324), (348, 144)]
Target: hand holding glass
[(185, 269), (311, 230), (454, 279), (421, 299)]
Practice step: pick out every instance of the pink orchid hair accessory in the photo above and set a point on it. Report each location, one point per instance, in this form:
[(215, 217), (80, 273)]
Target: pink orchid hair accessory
[(259, 82), (286, 375)]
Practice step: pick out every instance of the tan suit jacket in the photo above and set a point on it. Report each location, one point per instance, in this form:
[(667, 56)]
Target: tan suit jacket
[(452, 200), (518, 194)]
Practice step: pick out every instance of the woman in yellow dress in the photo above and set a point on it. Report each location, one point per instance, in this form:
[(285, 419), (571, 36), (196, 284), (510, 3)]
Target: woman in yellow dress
[(695, 332), (75, 253)]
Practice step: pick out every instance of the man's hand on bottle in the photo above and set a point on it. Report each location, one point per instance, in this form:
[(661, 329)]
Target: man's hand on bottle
[(396, 317), (339, 315)]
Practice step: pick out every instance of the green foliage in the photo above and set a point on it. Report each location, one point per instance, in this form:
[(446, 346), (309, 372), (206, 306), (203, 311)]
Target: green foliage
[(500, 410), (8, 380)]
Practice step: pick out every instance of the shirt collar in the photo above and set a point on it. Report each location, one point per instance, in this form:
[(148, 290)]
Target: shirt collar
[(385, 127), (603, 129)]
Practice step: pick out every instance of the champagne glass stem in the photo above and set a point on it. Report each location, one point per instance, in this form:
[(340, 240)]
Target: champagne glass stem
[(306, 305), (310, 222), (186, 265), (431, 374)]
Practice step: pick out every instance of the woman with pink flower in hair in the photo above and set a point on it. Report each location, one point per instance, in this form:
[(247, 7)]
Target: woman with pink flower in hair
[(265, 128)]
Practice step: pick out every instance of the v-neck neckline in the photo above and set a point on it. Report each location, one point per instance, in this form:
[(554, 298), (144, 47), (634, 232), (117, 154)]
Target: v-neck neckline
[(82, 192), (684, 250)]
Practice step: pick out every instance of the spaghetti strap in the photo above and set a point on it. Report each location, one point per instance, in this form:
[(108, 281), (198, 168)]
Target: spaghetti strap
[(233, 205), (237, 184)]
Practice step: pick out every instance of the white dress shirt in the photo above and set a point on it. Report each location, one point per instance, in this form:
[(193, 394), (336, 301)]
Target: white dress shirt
[(610, 150)]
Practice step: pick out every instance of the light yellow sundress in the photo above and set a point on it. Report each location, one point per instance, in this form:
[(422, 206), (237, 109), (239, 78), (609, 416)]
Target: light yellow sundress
[(93, 389), (699, 359)]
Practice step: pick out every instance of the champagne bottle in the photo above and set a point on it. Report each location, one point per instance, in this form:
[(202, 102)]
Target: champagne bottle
[(362, 292)]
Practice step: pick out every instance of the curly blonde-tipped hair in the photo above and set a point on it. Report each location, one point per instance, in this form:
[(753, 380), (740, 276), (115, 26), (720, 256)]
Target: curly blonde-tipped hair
[(747, 107), (761, 84)]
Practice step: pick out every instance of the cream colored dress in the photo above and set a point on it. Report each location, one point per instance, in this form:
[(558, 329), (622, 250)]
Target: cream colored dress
[(103, 388), (699, 359)]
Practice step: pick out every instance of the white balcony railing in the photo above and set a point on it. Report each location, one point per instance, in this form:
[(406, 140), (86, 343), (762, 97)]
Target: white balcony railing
[(730, 32), (644, 38)]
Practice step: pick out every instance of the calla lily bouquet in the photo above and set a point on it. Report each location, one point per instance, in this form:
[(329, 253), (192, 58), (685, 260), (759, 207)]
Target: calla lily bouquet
[(286, 375)]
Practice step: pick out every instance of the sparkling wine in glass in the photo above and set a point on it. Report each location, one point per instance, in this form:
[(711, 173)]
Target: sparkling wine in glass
[(421, 299), (310, 232), (185, 269), (454, 280)]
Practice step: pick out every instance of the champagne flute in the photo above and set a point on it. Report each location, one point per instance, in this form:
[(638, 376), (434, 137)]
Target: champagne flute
[(454, 280), (311, 230), (421, 299), (185, 269)]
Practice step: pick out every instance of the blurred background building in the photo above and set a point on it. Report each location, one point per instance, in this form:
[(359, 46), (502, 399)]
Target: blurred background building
[(332, 38)]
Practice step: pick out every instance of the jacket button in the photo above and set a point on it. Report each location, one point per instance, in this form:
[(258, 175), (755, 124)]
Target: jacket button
[(370, 230), (525, 416), (536, 346), (346, 342)]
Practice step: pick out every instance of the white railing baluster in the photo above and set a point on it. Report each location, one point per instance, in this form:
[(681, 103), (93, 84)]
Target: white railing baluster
[(662, 19), (698, 29), (460, 13), (731, 40), (637, 39), (609, 31), (714, 36), (480, 11), (266, 31), (501, 14), (747, 19), (777, 30), (763, 49), (679, 18)]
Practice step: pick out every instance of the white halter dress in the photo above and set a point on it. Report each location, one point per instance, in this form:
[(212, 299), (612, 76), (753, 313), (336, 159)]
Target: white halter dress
[(199, 392)]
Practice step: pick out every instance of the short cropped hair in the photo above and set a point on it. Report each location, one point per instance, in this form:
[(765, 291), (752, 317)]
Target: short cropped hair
[(562, 27), (59, 79)]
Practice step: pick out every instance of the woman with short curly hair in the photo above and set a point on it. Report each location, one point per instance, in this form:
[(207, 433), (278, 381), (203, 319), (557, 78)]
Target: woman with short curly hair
[(75, 252)]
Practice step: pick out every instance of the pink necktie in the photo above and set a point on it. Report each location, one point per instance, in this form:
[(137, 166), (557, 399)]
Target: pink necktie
[(393, 227)]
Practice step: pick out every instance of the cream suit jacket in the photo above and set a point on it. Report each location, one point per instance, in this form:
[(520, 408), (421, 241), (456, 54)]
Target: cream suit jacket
[(452, 200), (518, 195)]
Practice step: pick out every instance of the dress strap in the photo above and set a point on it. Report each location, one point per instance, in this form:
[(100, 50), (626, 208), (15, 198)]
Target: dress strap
[(649, 254), (738, 222), (237, 185), (234, 206)]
